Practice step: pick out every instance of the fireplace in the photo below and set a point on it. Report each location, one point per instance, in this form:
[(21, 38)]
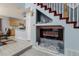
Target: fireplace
[(51, 32), (51, 37)]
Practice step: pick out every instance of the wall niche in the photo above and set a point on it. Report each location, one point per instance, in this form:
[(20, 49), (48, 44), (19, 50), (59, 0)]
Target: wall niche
[(42, 18)]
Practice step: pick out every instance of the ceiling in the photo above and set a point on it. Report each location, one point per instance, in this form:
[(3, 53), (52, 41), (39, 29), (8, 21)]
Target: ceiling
[(19, 5)]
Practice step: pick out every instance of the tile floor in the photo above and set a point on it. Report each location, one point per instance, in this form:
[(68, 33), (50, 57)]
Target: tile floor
[(14, 48), (35, 52), (46, 48)]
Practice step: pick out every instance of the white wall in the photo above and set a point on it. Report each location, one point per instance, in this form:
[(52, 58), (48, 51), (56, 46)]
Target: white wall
[(11, 10)]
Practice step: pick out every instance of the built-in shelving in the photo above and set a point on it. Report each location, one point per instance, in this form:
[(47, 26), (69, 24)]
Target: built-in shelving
[(41, 18)]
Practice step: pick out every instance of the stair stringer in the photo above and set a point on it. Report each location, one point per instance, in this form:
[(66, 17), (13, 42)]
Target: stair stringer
[(71, 35)]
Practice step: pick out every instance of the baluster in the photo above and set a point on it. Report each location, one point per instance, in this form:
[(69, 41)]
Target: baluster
[(51, 5), (47, 5), (54, 6), (62, 10), (73, 13), (65, 10), (78, 16), (57, 7), (69, 14)]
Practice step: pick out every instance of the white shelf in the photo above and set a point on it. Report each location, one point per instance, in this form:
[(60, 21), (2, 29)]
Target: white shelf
[(43, 24)]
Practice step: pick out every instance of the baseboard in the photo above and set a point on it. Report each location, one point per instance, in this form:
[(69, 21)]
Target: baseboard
[(71, 52)]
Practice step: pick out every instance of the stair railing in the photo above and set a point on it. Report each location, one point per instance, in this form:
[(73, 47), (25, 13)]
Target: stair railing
[(66, 10)]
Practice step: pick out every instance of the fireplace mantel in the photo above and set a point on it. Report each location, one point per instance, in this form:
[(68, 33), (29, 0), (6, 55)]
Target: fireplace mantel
[(51, 27)]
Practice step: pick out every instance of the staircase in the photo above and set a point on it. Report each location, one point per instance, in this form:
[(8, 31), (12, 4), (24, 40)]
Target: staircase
[(64, 11)]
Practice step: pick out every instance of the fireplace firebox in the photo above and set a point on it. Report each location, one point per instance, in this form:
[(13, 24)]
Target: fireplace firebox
[(55, 32)]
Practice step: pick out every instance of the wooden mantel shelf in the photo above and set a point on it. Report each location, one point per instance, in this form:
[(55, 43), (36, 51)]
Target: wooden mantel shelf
[(51, 27)]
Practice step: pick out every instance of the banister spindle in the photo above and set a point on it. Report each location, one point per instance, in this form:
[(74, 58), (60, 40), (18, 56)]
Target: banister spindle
[(51, 5), (48, 5), (73, 13), (62, 10), (59, 8), (69, 14), (54, 6), (78, 16)]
